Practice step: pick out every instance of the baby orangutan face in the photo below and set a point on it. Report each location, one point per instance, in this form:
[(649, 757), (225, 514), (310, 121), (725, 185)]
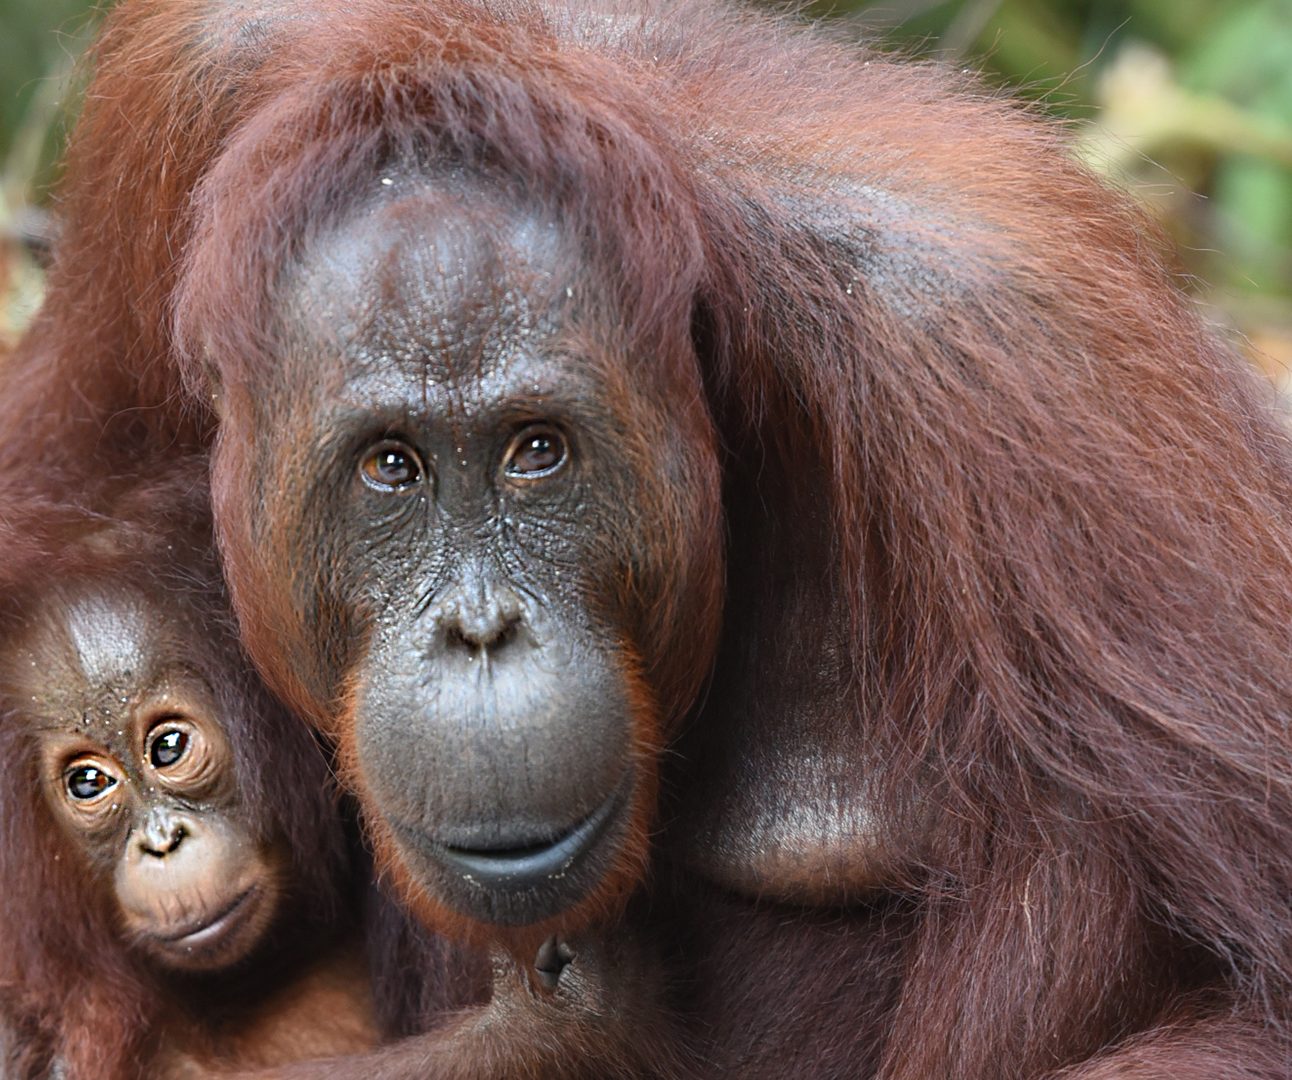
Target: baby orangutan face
[(137, 769)]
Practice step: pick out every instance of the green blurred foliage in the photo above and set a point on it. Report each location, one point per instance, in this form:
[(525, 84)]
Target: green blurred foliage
[(1188, 103), (39, 43)]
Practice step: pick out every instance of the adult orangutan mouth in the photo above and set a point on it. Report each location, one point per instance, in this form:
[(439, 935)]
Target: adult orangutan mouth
[(531, 863), (523, 880)]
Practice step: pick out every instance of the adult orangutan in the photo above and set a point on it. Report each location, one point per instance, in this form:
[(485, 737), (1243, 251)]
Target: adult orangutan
[(176, 896), (748, 510)]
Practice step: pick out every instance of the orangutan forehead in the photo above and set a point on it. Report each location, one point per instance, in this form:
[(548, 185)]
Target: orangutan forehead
[(88, 642), (108, 636), (240, 33), (433, 285), (99, 641)]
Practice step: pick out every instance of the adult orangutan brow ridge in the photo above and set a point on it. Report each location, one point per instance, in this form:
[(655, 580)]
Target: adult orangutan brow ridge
[(746, 508)]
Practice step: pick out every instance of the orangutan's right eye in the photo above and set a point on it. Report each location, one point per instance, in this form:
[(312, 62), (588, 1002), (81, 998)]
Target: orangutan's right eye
[(88, 782), (391, 466)]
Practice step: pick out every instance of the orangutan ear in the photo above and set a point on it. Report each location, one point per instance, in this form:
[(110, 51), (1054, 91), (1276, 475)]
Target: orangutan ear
[(213, 396)]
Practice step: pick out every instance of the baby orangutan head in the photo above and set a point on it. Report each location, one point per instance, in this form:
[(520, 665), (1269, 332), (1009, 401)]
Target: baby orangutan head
[(115, 688)]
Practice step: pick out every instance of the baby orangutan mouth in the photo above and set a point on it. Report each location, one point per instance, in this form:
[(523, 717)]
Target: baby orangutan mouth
[(211, 934)]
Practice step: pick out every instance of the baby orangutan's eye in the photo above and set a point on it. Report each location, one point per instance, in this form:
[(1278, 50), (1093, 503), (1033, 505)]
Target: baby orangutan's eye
[(167, 747), (88, 782)]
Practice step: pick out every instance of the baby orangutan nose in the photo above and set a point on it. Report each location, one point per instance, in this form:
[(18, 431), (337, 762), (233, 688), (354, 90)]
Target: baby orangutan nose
[(162, 833), (193, 893)]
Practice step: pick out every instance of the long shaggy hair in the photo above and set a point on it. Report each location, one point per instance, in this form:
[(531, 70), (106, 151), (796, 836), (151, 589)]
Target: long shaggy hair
[(1057, 509)]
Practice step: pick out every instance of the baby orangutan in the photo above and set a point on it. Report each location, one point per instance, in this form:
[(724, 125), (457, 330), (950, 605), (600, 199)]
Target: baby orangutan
[(177, 897)]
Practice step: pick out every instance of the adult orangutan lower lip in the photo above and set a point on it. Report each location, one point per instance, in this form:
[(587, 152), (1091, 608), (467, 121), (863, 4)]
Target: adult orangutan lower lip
[(517, 873), (208, 930), (532, 863)]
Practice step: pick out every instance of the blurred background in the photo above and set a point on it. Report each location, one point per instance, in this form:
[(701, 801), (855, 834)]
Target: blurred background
[(1186, 103)]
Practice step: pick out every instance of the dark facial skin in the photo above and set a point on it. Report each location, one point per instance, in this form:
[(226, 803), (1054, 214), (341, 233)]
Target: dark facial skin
[(137, 771), (475, 469)]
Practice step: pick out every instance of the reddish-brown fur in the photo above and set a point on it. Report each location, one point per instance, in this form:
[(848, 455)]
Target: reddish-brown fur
[(978, 444)]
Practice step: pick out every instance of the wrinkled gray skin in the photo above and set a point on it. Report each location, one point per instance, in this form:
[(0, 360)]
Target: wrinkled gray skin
[(476, 620)]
